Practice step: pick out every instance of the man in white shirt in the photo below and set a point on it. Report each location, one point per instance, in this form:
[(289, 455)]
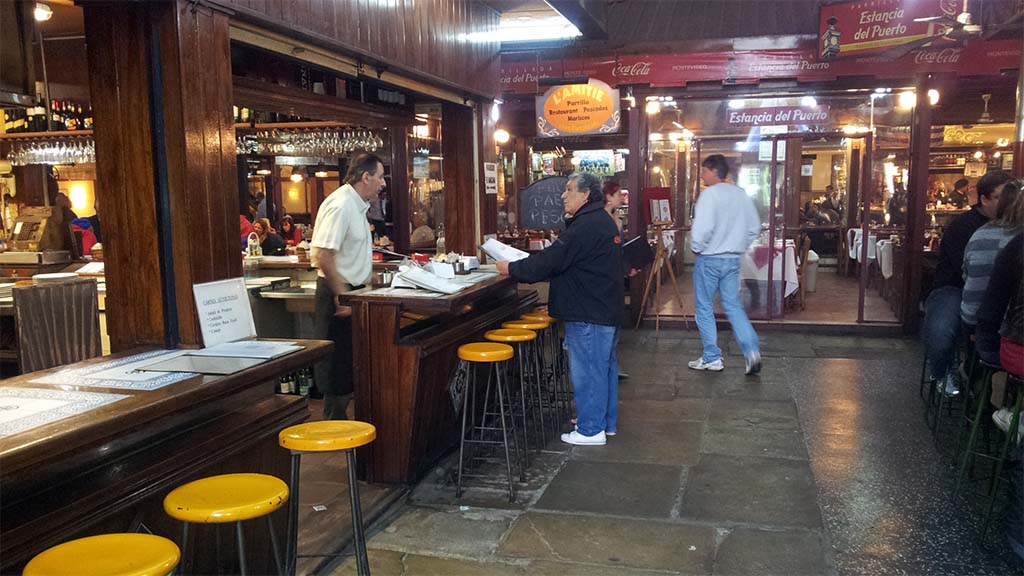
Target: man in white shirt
[(725, 224), (342, 252)]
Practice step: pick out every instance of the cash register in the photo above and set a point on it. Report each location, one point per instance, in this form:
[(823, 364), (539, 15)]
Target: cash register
[(37, 238)]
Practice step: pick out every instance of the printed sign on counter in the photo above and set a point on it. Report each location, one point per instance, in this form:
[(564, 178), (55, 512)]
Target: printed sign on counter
[(225, 314)]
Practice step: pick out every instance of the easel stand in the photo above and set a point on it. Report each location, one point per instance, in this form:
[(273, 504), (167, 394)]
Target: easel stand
[(661, 260)]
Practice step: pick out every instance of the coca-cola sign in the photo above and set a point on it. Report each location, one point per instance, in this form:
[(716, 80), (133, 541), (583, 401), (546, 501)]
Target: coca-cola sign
[(634, 70), (519, 74)]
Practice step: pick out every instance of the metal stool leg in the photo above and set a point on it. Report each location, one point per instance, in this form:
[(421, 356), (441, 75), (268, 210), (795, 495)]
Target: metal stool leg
[(184, 549), (539, 385), (273, 546), (470, 384), (504, 432), (362, 561), (292, 546), (243, 569), (522, 392), (975, 425), (1011, 438)]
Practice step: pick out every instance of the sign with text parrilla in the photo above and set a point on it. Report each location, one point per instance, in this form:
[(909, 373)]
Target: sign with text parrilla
[(863, 27), (572, 109)]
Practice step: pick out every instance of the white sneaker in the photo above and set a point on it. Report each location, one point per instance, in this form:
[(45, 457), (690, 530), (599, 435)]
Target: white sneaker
[(700, 364), (578, 439), (948, 385), (1003, 418)]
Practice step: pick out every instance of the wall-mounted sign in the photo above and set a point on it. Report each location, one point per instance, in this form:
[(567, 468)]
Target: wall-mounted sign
[(519, 73), (491, 177), (591, 108), (862, 27), (778, 115)]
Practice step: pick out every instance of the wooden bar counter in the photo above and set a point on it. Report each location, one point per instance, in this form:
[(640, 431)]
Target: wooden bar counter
[(108, 469), (404, 349)]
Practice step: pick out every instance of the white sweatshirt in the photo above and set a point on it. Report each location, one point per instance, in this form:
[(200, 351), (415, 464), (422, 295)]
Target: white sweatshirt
[(725, 222)]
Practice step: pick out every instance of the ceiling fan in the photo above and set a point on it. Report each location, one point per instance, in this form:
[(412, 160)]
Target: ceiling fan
[(957, 29)]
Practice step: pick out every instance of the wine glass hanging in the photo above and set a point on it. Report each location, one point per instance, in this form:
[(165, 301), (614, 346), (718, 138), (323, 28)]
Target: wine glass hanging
[(52, 151), (308, 142)]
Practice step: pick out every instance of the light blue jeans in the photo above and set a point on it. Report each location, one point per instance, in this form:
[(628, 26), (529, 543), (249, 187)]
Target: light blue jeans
[(713, 274), (594, 369)]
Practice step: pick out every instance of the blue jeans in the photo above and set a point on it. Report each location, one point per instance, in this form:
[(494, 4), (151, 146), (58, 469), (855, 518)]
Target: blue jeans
[(722, 275), (594, 368), (941, 329)]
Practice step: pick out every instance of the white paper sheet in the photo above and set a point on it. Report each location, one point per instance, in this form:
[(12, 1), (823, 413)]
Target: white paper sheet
[(249, 349), (425, 279), (501, 251)]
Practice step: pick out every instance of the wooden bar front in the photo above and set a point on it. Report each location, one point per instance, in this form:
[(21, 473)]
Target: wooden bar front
[(108, 470), (404, 351)]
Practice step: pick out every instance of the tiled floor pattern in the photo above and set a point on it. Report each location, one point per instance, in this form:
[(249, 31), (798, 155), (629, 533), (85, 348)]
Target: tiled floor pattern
[(822, 465)]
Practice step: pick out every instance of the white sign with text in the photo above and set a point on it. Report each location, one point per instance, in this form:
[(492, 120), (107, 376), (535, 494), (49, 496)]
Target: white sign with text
[(225, 314)]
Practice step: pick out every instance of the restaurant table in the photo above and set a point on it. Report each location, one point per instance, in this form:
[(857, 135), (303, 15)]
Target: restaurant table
[(81, 455), (404, 352), (754, 265)]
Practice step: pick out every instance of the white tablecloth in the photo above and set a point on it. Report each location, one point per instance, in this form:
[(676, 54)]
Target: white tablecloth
[(885, 257), (749, 270), (854, 237)]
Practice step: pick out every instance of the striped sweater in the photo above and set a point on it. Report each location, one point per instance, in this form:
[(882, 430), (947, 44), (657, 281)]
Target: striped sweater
[(979, 258)]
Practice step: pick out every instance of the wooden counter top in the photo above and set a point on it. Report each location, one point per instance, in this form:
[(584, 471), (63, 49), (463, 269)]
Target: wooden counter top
[(49, 441), (115, 462), (432, 302)]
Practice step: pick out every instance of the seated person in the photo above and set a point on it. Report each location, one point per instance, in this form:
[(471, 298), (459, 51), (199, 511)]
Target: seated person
[(422, 235), (999, 338), (987, 241), (813, 215), (942, 326), (270, 243), (292, 236)]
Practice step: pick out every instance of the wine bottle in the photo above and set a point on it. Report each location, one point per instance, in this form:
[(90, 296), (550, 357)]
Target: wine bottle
[(68, 111), (56, 122), (87, 122)]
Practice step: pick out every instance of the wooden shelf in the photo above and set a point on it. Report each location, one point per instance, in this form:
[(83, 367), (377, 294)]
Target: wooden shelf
[(44, 135)]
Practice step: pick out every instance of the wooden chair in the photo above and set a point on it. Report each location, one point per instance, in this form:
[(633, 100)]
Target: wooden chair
[(56, 324), (798, 299)]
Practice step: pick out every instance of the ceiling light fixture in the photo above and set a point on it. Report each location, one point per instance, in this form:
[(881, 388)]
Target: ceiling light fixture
[(295, 177), (735, 104), (42, 12), (653, 107), (501, 136), (809, 102), (933, 96), (907, 100)]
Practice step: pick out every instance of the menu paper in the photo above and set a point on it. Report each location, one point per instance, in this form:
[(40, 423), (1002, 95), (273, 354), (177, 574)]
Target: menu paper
[(225, 314), (501, 251)]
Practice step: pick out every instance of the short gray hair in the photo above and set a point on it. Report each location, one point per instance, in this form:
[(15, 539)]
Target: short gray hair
[(589, 182)]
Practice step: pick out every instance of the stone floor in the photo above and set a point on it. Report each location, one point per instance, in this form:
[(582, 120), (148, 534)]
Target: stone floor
[(822, 465)]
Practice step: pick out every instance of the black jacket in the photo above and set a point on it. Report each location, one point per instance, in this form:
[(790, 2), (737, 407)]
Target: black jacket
[(584, 266), (950, 269)]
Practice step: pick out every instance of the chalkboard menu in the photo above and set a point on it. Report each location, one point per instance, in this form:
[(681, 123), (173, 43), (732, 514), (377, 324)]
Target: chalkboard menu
[(540, 204)]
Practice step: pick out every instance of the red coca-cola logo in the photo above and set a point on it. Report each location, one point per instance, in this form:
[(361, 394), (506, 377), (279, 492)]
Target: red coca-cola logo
[(635, 69), (944, 56)]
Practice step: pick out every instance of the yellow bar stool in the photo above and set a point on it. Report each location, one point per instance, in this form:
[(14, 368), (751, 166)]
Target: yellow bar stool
[(318, 437), (108, 555), (490, 354), (523, 341), (559, 358), (228, 498), (542, 327)]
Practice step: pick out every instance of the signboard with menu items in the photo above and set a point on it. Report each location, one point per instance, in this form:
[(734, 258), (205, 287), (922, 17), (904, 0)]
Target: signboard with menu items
[(867, 27), (573, 109)]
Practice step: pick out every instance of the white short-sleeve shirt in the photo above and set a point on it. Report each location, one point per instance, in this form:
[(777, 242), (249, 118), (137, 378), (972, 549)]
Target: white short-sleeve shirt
[(341, 226)]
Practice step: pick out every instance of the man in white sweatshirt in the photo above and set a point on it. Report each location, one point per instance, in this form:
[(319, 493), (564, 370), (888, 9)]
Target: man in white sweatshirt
[(724, 226)]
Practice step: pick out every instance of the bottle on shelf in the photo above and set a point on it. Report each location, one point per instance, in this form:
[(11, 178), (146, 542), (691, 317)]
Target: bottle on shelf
[(440, 240), (56, 119), (87, 121), (68, 111)]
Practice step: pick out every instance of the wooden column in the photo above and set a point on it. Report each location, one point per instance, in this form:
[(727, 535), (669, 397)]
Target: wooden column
[(488, 202), (459, 203), (917, 200), (636, 179), (160, 76), (399, 187)]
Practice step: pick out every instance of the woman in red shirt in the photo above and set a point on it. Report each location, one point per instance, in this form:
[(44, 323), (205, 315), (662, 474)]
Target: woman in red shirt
[(292, 235)]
